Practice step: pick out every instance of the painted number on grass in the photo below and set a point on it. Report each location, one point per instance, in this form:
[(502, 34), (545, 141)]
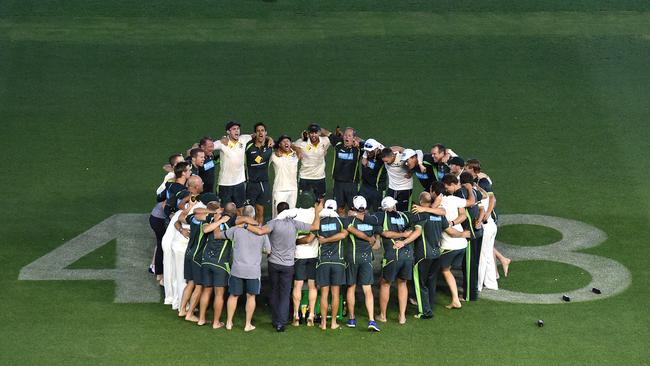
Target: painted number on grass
[(135, 242), (134, 250), (608, 275)]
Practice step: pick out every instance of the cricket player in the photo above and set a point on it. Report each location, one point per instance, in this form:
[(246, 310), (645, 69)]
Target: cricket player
[(245, 275), (258, 155), (330, 270), (285, 165), (373, 174), (397, 265), (232, 176), (427, 251), (400, 180), (313, 150), (359, 271)]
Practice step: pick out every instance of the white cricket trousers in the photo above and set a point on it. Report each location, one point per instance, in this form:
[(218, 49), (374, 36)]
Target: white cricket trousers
[(487, 269)]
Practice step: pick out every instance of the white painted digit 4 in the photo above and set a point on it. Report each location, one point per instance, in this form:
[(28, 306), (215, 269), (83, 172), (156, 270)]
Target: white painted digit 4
[(134, 245)]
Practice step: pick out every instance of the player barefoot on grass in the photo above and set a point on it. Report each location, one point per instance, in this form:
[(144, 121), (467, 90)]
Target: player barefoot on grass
[(246, 268), (330, 271), (214, 280)]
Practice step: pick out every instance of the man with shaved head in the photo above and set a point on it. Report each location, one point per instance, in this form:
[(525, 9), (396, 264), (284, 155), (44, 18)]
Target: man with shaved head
[(245, 275)]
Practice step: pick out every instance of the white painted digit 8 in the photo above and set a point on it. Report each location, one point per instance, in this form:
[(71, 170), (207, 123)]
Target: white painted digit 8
[(608, 275)]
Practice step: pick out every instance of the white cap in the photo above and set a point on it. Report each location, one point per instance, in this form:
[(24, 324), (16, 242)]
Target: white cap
[(407, 153), (330, 204), (388, 203), (371, 144), (359, 203)]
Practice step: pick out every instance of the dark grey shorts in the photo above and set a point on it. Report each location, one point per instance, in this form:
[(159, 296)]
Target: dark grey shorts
[(330, 274), (236, 194), (238, 286), (392, 270), (258, 193), (359, 274), (305, 269), (214, 275)]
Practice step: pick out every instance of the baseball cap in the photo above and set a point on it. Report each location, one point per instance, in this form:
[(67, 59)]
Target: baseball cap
[(359, 203), (330, 204), (456, 160), (371, 144), (230, 124), (313, 128), (388, 203), (407, 153)]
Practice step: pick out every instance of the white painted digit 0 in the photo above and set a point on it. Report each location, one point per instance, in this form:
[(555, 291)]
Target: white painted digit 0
[(134, 246), (608, 275)]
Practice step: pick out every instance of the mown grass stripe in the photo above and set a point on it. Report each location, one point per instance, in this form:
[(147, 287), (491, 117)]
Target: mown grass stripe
[(291, 28)]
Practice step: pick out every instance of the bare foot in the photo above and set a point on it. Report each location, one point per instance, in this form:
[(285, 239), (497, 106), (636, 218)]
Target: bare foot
[(402, 321), (229, 326), (335, 326), (454, 306), (217, 324), (381, 318), (249, 327), (191, 318), (323, 325), (310, 322), (200, 322), (505, 264), (182, 313), (296, 322)]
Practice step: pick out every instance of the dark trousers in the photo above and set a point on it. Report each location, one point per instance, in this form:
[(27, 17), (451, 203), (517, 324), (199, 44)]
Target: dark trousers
[(470, 275), (425, 277), (158, 226), (372, 195), (403, 199), (281, 279)]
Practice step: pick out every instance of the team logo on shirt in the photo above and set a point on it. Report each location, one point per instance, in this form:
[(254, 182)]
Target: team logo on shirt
[(422, 175), (328, 227), (346, 156), (364, 227), (397, 221), (258, 159), (371, 164), (435, 218)]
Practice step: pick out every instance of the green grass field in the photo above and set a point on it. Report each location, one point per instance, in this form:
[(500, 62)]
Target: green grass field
[(553, 98)]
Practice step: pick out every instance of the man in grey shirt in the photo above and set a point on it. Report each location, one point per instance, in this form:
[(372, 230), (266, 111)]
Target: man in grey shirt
[(246, 268), (282, 235)]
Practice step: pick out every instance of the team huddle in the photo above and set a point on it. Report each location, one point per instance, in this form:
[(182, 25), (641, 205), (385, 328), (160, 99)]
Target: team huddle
[(210, 244)]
